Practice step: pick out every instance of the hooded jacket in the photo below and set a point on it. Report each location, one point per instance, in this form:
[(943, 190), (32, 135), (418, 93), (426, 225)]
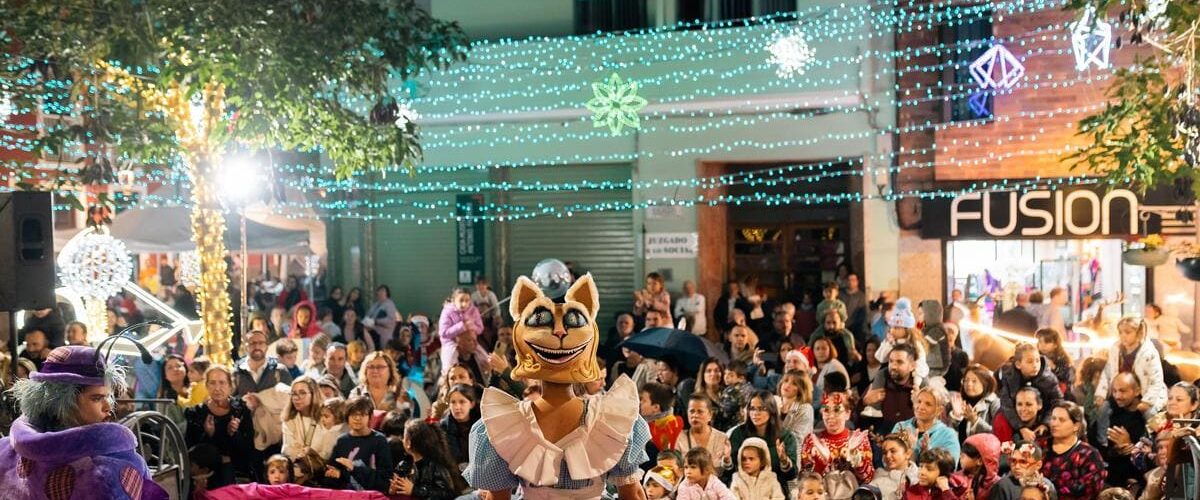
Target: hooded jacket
[(312, 329), (936, 337), (452, 323), (1147, 366), (989, 453), (1011, 381), (958, 489), (762, 487)]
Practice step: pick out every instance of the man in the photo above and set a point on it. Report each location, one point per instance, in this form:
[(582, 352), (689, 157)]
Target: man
[(835, 329), (255, 381), (856, 307), (781, 330), (637, 367), (50, 323), (335, 367), (731, 300), (620, 330), (1051, 315), (1124, 427), (1018, 319), (36, 347), (890, 398), (656, 318), (473, 356)]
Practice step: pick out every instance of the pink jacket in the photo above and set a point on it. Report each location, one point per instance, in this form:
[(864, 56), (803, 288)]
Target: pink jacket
[(452, 323), (714, 490)]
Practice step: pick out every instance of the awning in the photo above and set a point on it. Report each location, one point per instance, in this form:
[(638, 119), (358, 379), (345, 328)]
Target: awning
[(169, 230)]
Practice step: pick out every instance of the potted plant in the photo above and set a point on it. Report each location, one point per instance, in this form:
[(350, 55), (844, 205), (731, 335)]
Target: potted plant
[(1187, 255), (1148, 251)]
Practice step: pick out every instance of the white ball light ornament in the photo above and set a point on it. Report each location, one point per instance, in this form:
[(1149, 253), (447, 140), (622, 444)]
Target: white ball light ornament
[(95, 265)]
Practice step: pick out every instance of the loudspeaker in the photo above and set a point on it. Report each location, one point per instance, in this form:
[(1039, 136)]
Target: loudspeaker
[(26, 251)]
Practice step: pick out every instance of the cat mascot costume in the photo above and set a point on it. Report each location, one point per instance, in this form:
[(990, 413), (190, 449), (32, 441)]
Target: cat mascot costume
[(560, 446)]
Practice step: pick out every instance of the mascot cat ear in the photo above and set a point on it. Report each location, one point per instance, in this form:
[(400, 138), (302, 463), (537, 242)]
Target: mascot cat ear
[(584, 291), (523, 292)]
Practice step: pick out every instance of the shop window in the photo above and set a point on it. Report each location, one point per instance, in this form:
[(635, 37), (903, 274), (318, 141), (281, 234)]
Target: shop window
[(726, 10), (966, 36), (593, 16)]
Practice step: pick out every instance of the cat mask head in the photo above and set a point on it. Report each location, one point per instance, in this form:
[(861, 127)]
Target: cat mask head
[(556, 342)]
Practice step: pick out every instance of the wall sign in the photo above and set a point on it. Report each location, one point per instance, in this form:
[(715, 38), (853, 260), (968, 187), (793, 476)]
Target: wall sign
[(470, 238), (1080, 212), (672, 245)]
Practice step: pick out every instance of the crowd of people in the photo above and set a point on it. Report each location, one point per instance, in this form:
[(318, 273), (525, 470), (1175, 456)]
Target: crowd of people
[(839, 398)]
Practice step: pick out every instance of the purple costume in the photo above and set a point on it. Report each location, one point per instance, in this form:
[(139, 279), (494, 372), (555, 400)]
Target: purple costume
[(94, 461)]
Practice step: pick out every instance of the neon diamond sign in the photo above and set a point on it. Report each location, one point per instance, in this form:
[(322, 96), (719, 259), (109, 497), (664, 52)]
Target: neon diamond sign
[(1091, 39), (997, 69)]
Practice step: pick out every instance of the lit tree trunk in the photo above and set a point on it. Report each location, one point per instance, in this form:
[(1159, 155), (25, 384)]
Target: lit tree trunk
[(208, 231)]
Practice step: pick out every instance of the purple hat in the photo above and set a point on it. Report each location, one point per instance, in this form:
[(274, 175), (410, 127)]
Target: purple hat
[(72, 364)]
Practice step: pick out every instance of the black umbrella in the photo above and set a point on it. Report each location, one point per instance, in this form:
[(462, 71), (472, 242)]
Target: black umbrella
[(685, 348)]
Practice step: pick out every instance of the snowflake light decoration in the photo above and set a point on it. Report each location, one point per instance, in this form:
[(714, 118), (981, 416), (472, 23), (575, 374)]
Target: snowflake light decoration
[(1091, 39), (95, 265), (791, 53), (997, 69), (615, 105), (189, 269), (405, 115)]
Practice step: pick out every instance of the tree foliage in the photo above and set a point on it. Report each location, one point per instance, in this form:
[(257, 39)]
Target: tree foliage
[(1149, 132), (295, 74)]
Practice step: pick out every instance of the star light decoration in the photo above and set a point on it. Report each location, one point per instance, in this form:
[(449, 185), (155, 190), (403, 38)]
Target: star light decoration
[(1091, 39), (997, 69), (615, 105), (95, 265), (791, 53)]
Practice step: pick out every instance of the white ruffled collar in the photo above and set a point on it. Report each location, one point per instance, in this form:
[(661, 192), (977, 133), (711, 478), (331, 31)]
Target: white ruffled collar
[(591, 450)]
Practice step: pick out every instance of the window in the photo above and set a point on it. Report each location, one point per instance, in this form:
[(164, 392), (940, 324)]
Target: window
[(965, 37), (725, 10), (610, 15)]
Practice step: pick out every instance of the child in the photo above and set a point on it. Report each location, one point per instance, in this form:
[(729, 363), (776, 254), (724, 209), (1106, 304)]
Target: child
[(1035, 493), (660, 482), (1025, 461), (733, 397), (1049, 345), (935, 479), (898, 469), (205, 460), (670, 459), (980, 462), (330, 427), (361, 457), (700, 479), (458, 315), (279, 469), (197, 392), (356, 352), (288, 353), (812, 487), (830, 303), (306, 468), (754, 479), (657, 409), (434, 475)]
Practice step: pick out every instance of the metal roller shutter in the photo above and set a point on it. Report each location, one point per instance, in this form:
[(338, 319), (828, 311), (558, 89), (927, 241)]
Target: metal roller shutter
[(601, 243)]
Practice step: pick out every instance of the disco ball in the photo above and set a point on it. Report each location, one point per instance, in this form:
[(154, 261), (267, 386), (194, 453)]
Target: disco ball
[(553, 277)]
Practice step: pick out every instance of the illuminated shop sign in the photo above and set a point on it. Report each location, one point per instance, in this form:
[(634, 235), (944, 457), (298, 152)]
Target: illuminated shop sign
[(1081, 212)]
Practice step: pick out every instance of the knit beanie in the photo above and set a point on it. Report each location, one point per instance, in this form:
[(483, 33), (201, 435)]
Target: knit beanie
[(902, 315)]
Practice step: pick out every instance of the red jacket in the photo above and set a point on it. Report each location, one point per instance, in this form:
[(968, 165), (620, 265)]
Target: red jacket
[(957, 491)]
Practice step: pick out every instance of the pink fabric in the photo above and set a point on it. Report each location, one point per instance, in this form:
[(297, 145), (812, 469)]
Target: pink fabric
[(314, 325), (285, 491)]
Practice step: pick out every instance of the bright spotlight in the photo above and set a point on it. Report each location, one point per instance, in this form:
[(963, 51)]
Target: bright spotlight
[(239, 179)]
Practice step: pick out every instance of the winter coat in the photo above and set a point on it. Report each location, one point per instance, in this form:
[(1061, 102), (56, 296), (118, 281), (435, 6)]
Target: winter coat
[(764, 486), (1011, 381), (90, 461), (797, 419), (989, 453), (891, 483), (714, 490), (936, 337), (742, 432), (453, 323), (324, 439), (938, 436), (958, 489), (299, 433), (431, 481), (1147, 366), (986, 409)]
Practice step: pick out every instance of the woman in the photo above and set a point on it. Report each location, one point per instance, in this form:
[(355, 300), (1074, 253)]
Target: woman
[(381, 318), (301, 417), (1183, 401), (1029, 425), (314, 366), (1074, 466), (64, 445), (1135, 353), (434, 476), (929, 403), (353, 329), (354, 301), (458, 421), (691, 310), (223, 422), (291, 295), (762, 421), (972, 410), (334, 301), (700, 432), (794, 398), (654, 296), (841, 456), (708, 382), (173, 385), (827, 362), (379, 381)]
